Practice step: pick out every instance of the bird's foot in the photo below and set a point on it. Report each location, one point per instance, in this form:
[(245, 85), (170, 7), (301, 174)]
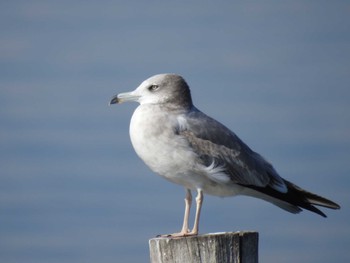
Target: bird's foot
[(180, 234)]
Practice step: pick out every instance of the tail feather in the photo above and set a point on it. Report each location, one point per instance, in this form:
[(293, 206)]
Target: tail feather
[(311, 198), (294, 199)]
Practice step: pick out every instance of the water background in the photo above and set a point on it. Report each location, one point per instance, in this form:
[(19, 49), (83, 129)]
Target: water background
[(71, 187)]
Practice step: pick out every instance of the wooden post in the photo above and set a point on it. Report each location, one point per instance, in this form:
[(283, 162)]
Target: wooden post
[(238, 247)]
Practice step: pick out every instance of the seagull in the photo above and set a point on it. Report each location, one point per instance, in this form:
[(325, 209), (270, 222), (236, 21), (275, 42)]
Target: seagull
[(185, 146)]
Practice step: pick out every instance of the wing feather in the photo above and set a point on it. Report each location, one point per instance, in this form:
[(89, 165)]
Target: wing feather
[(216, 144)]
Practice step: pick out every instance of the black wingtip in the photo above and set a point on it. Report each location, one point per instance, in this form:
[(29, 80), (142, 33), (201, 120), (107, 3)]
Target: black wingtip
[(297, 198), (314, 209)]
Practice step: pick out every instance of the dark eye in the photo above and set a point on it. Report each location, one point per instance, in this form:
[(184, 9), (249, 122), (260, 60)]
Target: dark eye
[(153, 87)]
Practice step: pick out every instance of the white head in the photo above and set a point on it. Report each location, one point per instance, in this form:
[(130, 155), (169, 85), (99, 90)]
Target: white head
[(168, 89)]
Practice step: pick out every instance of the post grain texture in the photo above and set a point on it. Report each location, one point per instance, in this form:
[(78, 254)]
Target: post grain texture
[(228, 247)]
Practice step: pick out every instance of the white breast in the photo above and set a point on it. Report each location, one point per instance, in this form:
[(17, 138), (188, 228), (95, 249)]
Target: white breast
[(154, 138)]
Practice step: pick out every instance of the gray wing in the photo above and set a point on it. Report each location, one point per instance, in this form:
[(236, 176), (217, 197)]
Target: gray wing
[(216, 144)]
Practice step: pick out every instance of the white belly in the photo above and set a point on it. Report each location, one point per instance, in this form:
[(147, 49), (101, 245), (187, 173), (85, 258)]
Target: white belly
[(168, 154), (155, 142)]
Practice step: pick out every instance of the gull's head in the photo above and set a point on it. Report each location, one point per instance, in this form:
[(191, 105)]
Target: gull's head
[(168, 89)]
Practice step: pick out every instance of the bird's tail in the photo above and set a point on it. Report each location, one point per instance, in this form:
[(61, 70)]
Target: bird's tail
[(308, 200), (293, 200)]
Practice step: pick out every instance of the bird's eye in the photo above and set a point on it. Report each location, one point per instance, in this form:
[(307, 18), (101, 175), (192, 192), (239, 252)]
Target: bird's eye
[(153, 87)]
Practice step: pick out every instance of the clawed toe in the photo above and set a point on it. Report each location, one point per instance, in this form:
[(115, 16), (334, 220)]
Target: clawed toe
[(180, 234)]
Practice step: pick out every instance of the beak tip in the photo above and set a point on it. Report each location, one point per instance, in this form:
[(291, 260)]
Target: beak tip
[(114, 100), (123, 97)]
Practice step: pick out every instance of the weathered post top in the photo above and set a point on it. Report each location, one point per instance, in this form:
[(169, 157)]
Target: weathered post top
[(228, 247)]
